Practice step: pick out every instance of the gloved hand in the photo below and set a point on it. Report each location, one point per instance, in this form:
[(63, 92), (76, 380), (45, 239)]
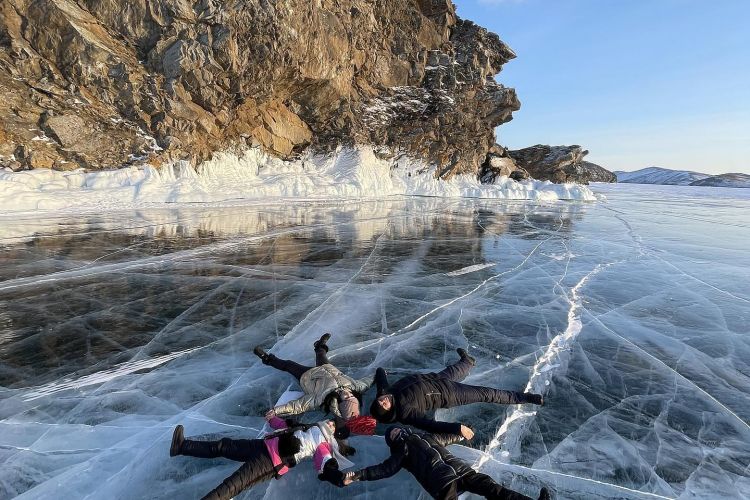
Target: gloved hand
[(332, 474), (345, 449)]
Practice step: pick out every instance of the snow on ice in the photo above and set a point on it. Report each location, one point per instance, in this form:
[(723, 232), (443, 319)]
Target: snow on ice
[(347, 173)]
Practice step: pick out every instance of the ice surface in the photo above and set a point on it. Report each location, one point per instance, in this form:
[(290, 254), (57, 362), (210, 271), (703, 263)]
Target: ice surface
[(630, 315)]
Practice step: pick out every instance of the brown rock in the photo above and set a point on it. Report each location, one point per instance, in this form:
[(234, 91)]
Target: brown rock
[(203, 76), (560, 164), (68, 130), (40, 159)]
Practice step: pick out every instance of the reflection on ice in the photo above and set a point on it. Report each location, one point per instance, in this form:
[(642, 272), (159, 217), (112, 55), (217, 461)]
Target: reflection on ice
[(114, 327)]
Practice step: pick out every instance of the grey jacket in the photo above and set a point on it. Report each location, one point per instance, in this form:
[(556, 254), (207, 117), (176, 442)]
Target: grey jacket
[(317, 383)]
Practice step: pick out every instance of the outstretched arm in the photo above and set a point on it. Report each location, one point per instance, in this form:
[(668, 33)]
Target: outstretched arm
[(381, 381), (295, 406), (363, 384), (446, 439), (333, 407), (434, 426), (380, 471)]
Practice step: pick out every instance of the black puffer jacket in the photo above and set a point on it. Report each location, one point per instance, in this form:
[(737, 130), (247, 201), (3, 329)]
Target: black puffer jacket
[(415, 395), (425, 456)]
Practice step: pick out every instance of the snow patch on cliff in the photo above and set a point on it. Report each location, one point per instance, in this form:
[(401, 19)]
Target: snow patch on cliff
[(254, 175)]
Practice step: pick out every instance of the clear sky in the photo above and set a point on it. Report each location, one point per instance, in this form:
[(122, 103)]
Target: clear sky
[(636, 82)]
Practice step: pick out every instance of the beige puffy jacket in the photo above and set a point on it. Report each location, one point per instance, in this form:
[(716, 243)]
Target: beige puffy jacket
[(318, 383)]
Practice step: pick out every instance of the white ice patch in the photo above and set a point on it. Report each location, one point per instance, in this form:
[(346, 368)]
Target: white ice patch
[(254, 175), (102, 376), (470, 269)]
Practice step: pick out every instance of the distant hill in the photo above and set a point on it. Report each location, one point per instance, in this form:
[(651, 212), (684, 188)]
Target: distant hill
[(658, 175), (725, 180)]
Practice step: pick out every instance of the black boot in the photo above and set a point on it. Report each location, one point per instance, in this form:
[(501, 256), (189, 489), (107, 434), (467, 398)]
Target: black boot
[(322, 341), (178, 438), (535, 399), (544, 494), (465, 355), (261, 353)]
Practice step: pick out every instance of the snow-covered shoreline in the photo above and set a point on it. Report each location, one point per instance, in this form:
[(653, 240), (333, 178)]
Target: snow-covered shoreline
[(254, 175)]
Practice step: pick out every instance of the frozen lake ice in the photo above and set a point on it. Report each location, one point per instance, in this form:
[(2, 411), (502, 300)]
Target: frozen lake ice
[(630, 314)]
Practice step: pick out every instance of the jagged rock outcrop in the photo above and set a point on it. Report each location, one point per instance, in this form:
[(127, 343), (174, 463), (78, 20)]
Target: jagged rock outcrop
[(547, 163), (102, 84), (499, 164), (597, 173), (559, 164)]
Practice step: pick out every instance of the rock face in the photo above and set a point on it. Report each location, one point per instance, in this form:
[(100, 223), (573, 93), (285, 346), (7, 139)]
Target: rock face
[(559, 164), (102, 84), (597, 173)]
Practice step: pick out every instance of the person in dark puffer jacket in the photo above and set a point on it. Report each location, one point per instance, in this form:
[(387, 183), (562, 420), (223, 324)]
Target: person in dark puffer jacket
[(443, 475), (410, 399)]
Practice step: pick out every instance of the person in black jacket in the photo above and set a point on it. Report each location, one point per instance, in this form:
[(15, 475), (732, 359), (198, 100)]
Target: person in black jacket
[(443, 475), (410, 399)]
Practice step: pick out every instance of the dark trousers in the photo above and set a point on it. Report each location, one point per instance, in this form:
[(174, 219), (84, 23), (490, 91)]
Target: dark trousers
[(468, 394), (457, 371), (256, 469), (482, 485), (294, 368)]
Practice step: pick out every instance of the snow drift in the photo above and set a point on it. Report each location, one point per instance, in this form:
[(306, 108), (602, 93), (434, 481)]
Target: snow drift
[(347, 173)]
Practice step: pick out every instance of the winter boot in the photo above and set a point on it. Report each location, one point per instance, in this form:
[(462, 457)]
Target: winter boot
[(322, 341), (178, 437), (535, 399), (465, 355), (544, 494), (261, 353)]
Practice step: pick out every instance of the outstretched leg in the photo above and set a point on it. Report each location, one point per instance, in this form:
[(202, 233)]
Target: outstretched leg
[(484, 485), (284, 365), (240, 450), (251, 473), (321, 350), (459, 370), (465, 394)]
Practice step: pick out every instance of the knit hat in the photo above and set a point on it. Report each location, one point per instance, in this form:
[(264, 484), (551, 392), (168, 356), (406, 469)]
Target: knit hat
[(363, 425), (382, 415)]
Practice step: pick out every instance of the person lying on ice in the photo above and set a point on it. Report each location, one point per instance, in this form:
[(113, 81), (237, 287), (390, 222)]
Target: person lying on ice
[(324, 386), (268, 457), (443, 475), (411, 398)]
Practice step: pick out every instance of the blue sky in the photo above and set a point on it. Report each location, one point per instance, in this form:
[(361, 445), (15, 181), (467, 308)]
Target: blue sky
[(636, 82)]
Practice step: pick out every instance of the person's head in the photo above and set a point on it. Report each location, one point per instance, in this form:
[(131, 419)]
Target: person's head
[(383, 408), (289, 445), (395, 436), (349, 403)]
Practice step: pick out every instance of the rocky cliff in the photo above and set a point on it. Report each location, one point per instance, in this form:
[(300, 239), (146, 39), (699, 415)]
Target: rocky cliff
[(102, 84), (547, 163), (559, 164)]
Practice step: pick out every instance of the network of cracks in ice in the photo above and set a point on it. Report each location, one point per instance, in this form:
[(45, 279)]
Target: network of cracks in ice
[(630, 317)]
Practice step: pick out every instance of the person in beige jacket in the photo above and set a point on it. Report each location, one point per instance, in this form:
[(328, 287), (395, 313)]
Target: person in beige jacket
[(325, 386)]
